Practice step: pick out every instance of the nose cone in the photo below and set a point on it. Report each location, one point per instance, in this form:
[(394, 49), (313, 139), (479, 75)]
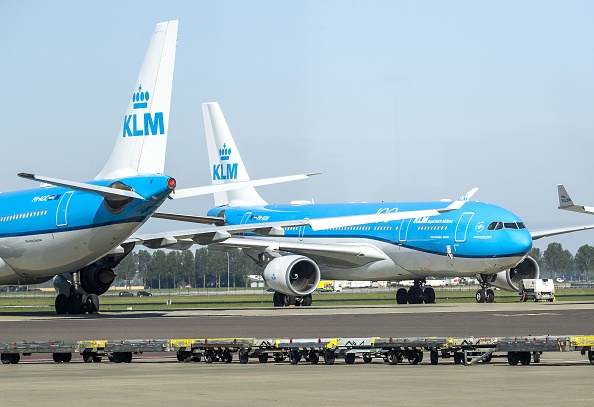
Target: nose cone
[(521, 241)]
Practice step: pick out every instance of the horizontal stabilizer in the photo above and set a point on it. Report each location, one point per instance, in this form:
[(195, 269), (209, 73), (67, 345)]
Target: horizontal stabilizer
[(81, 186), (188, 192), (205, 220)]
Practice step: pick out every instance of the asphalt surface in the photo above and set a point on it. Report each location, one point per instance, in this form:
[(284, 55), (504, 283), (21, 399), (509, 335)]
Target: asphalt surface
[(561, 378)]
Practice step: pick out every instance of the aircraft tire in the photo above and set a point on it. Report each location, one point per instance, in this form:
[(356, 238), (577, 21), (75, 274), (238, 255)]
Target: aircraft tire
[(61, 304), (414, 295), (92, 304), (401, 296), (490, 296), (307, 300), (74, 304), (429, 295), (480, 296)]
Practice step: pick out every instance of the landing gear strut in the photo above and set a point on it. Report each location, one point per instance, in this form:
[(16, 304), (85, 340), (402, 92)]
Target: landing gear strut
[(485, 293), (417, 294)]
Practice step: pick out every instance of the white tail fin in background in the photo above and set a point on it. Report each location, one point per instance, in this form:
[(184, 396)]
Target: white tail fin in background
[(225, 162), (141, 144)]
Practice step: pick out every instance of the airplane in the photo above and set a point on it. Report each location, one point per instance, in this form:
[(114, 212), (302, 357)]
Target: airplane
[(301, 242), (75, 232)]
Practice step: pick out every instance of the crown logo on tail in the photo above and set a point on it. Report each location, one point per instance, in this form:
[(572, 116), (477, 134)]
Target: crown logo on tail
[(140, 98), (224, 153)]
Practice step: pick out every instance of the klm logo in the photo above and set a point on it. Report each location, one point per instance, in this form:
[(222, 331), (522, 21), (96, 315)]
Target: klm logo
[(565, 199), (228, 171), (148, 124)]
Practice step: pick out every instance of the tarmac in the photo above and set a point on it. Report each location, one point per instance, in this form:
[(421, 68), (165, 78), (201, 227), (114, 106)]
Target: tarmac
[(560, 378)]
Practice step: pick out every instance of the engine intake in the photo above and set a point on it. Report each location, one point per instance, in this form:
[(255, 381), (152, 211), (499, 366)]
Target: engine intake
[(292, 275), (96, 280), (509, 279)]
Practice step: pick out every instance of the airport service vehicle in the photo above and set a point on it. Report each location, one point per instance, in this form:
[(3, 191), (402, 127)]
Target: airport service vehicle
[(537, 289)]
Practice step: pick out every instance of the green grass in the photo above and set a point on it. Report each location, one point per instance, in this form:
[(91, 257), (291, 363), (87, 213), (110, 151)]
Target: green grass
[(43, 302)]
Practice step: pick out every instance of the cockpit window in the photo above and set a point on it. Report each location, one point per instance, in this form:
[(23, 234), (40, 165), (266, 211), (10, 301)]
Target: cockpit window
[(506, 225)]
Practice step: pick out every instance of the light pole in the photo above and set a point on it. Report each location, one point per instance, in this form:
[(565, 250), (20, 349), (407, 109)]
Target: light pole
[(227, 271)]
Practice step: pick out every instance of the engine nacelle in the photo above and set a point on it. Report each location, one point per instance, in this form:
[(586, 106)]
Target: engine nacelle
[(509, 280), (96, 280), (292, 275)]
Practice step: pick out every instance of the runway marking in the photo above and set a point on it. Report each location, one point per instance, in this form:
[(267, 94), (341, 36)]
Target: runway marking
[(537, 314)]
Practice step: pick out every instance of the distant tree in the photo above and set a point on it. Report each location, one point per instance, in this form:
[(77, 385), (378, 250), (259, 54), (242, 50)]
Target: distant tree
[(127, 268), (557, 260), (584, 261)]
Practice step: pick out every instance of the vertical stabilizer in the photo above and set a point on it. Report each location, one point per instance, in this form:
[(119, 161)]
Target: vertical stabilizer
[(141, 143), (226, 164)]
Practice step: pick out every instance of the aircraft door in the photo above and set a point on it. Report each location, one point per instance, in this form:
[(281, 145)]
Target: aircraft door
[(244, 220), (403, 232), (301, 231), (62, 211), (462, 227)]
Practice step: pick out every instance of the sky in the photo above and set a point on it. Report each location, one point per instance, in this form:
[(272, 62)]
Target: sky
[(390, 100)]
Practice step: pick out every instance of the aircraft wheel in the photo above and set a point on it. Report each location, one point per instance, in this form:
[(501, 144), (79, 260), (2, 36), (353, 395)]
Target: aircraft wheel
[(480, 296), (92, 304), (401, 296), (278, 299), (349, 358), (74, 304), (61, 304), (307, 300), (429, 295), (490, 296), (414, 295)]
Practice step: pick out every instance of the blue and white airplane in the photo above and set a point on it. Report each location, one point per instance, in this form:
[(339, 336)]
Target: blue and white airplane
[(77, 231), (300, 242)]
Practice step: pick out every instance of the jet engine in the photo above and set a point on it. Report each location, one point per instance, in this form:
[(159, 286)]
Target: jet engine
[(509, 279), (96, 280), (292, 275)]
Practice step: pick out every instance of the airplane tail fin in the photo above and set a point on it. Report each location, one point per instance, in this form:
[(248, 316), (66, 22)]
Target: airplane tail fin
[(225, 162), (141, 143), (564, 198)]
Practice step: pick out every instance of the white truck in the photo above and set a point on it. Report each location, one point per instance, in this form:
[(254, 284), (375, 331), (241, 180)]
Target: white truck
[(537, 289)]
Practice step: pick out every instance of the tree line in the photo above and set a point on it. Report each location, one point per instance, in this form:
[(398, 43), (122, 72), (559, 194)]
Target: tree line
[(205, 268)]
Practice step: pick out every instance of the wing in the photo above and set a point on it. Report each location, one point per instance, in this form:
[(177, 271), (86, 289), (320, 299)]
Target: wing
[(552, 232)]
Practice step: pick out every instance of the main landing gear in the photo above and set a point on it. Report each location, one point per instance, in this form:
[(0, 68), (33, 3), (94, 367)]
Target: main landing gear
[(71, 299), (417, 294), (284, 300), (485, 293)]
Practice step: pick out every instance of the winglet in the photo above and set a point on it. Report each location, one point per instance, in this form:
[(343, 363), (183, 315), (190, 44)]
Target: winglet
[(566, 203), (459, 203)]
